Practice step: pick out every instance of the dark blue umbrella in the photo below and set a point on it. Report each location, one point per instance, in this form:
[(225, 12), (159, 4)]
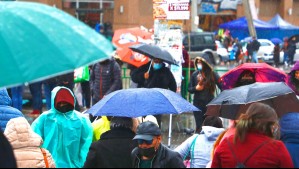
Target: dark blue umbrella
[(276, 41), (232, 103), (139, 102)]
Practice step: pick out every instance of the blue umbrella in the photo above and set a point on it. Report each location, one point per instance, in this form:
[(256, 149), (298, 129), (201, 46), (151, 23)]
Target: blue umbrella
[(139, 102), (276, 41)]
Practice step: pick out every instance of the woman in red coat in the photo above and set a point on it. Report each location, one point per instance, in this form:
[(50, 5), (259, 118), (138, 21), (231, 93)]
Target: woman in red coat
[(253, 145)]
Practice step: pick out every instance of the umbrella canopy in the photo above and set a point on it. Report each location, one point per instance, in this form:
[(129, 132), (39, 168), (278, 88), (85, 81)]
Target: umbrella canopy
[(276, 41), (154, 51), (139, 102), (262, 71), (123, 38), (231, 103), (39, 41)]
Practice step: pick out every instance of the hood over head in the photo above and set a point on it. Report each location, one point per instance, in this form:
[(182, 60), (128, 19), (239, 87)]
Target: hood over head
[(62, 94), (211, 133), (204, 60)]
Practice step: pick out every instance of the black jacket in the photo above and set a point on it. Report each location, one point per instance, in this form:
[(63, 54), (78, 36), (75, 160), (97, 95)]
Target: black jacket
[(203, 97), (112, 150), (165, 158), (105, 78), (162, 78)]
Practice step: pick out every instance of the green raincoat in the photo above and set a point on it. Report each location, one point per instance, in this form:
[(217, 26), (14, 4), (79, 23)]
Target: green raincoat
[(67, 136)]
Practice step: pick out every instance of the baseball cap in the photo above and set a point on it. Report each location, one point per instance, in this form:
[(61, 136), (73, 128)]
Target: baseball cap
[(64, 95), (147, 130)]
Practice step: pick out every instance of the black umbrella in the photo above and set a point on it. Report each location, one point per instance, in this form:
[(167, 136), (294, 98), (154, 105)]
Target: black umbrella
[(154, 51), (231, 103)]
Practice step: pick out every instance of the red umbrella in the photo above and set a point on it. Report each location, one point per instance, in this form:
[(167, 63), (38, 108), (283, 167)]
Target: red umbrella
[(123, 38), (262, 72)]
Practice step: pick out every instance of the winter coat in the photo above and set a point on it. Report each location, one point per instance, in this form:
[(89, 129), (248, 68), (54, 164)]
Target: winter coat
[(203, 97), (165, 158), (103, 81), (26, 145), (6, 111), (66, 135), (273, 154), (7, 159), (291, 75), (100, 126), (203, 145), (289, 135), (161, 78), (112, 150)]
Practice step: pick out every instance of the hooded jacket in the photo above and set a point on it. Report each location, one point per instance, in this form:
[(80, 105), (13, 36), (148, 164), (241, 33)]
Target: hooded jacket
[(66, 135), (26, 145), (289, 135), (290, 76), (6, 111), (203, 97), (201, 152)]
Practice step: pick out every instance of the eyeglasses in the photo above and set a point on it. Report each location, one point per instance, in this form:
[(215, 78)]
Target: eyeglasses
[(148, 142)]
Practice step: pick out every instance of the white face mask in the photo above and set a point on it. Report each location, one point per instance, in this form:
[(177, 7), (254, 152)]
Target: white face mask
[(199, 66)]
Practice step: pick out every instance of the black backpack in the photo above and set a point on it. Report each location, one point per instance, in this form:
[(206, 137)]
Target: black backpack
[(243, 164)]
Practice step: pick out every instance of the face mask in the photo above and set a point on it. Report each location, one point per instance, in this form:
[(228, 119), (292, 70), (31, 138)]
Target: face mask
[(65, 108), (199, 67), (147, 152), (157, 66)]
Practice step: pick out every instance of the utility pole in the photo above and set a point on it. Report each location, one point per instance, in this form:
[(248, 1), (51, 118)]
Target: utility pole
[(194, 25), (248, 14)]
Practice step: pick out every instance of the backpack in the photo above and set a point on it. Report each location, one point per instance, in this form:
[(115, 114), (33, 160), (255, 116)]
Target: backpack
[(243, 164)]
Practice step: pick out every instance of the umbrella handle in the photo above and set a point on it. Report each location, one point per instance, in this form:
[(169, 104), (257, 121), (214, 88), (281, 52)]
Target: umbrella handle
[(150, 66)]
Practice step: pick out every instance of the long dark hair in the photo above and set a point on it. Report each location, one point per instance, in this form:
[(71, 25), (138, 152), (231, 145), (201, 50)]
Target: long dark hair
[(209, 81)]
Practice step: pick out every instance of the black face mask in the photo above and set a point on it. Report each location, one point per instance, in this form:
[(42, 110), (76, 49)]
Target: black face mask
[(65, 108), (147, 152)]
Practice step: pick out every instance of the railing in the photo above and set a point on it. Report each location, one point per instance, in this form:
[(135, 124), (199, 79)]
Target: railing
[(126, 79)]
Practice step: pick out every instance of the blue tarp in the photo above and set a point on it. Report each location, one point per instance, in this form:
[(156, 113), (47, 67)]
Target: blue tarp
[(285, 29), (239, 28)]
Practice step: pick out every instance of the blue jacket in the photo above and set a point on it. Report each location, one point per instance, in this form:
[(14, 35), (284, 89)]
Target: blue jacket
[(67, 135), (203, 145), (6, 111)]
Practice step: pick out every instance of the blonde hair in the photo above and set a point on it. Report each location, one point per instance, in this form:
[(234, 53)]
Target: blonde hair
[(259, 117)]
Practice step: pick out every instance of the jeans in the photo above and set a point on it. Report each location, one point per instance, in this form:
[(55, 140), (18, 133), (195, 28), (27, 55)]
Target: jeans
[(86, 97), (36, 92), (48, 87), (285, 58), (16, 97), (254, 57)]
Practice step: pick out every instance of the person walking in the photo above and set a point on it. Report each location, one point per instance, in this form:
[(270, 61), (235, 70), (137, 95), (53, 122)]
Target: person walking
[(114, 147), (253, 141), (37, 98), (27, 145), (203, 85), (276, 56), (49, 85), (7, 112), (67, 133), (199, 146), (291, 50), (255, 46), (289, 135), (151, 153), (285, 51), (105, 78), (7, 157), (293, 78), (154, 74)]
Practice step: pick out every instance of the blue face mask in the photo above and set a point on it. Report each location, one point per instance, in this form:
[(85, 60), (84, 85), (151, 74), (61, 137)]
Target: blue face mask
[(157, 66), (199, 67)]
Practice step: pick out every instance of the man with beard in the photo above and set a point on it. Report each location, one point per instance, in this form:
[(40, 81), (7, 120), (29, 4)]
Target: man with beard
[(151, 153), (293, 78)]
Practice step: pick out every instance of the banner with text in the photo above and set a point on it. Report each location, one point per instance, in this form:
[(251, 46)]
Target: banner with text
[(171, 9)]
